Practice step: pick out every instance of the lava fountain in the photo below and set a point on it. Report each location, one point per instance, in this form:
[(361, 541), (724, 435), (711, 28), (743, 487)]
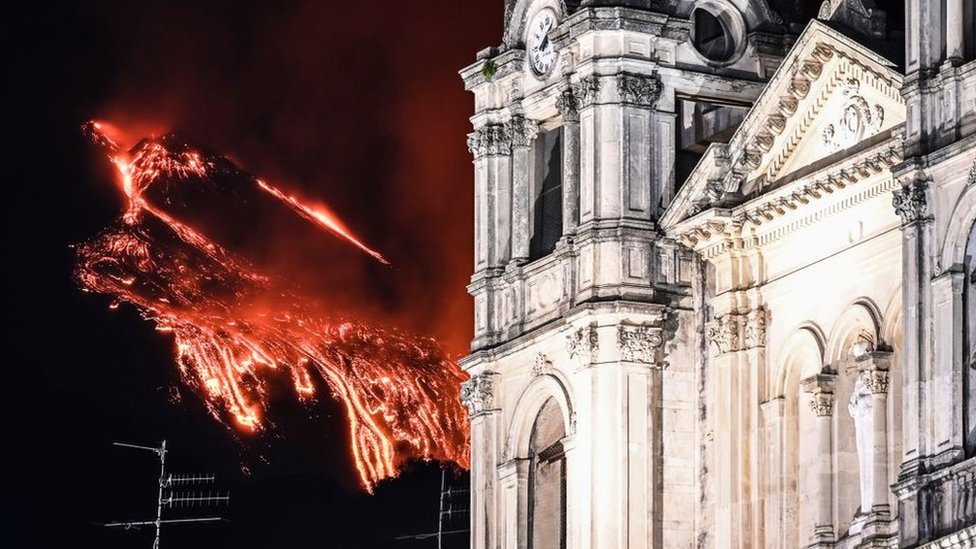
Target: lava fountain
[(236, 329)]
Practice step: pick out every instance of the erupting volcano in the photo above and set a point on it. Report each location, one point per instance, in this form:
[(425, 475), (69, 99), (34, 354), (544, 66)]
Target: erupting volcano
[(237, 329)]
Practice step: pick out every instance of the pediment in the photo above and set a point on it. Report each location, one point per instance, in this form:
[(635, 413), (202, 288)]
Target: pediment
[(830, 100)]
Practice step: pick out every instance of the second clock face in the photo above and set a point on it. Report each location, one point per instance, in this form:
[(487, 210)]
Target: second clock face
[(542, 52)]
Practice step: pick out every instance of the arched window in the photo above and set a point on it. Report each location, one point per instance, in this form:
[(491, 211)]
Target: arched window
[(547, 203), (969, 371), (547, 480)]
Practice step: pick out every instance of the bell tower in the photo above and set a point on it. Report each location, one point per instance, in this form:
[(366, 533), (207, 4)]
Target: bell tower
[(588, 117)]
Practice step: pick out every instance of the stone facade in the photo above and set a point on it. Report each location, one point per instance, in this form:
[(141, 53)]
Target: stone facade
[(757, 326)]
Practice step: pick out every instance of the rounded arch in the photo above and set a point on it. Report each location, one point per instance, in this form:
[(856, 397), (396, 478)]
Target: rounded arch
[(862, 318), (957, 233), (530, 402), (891, 321), (801, 356)]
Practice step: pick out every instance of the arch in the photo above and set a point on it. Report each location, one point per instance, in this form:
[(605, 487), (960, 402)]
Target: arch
[(805, 345), (891, 321), (530, 402), (957, 233), (862, 316)]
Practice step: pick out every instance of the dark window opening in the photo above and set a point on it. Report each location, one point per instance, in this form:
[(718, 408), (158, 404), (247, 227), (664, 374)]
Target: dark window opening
[(547, 480), (711, 38), (700, 124), (547, 205)]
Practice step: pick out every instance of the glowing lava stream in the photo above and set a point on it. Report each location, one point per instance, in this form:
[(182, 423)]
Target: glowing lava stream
[(236, 331)]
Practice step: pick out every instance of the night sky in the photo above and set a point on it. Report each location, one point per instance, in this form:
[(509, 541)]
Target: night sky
[(357, 104)]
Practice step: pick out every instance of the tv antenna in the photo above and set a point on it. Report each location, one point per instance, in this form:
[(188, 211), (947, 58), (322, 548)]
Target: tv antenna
[(169, 496), (453, 508)]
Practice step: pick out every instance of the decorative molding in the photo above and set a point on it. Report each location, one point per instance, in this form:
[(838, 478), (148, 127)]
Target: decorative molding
[(972, 174), (822, 404), (910, 203), (587, 91), (738, 332), (858, 120), (584, 344), (755, 330), (522, 131), (638, 89), (638, 343), (542, 365), (876, 381), (478, 393), (490, 139), (567, 103), (723, 333)]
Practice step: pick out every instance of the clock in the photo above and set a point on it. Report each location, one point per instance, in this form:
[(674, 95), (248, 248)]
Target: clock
[(542, 52)]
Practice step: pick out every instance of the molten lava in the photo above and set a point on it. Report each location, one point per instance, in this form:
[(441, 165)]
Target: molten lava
[(236, 330)]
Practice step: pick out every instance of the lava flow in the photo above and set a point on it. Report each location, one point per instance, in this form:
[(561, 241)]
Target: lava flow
[(236, 330)]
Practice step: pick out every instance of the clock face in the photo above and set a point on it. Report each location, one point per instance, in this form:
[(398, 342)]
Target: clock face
[(542, 52)]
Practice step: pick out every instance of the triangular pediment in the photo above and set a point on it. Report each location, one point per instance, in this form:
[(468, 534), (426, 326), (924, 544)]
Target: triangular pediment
[(830, 100)]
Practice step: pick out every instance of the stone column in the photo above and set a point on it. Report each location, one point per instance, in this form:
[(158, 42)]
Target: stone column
[(523, 133), (821, 390), (773, 489), (955, 17), (910, 204), (477, 394), (568, 105), (491, 147)]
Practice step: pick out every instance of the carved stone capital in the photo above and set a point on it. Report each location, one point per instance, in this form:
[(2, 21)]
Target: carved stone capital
[(638, 89), (972, 175), (567, 103), (587, 91), (522, 131), (910, 203), (821, 390), (822, 404), (478, 393), (723, 333), (876, 381), (755, 331), (583, 344), (639, 343), (490, 139), (542, 365)]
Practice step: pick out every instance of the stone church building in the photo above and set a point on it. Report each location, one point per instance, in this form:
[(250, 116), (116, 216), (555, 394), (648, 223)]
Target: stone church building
[(724, 275)]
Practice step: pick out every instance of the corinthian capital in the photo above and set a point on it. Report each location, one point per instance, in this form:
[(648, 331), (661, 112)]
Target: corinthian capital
[(478, 393), (638, 89), (910, 202), (568, 104), (522, 131), (490, 139)]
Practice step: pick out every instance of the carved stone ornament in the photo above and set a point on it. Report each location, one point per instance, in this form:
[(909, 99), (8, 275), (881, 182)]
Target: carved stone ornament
[(858, 121), (861, 403), (723, 333), (542, 365), (822, 404), (478, 393), (876, 381), (568, 104), (583, 344), (910, 203), (638, 343), (755, 332), (490, 139), (972, 174), (639, 90), (522, 131), (587, 91)]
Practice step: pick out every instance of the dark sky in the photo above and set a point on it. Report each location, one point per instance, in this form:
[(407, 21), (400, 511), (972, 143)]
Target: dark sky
[(357, 104)]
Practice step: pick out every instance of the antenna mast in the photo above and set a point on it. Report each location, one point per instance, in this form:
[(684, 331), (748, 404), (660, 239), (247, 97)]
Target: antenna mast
[(167, 498)]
